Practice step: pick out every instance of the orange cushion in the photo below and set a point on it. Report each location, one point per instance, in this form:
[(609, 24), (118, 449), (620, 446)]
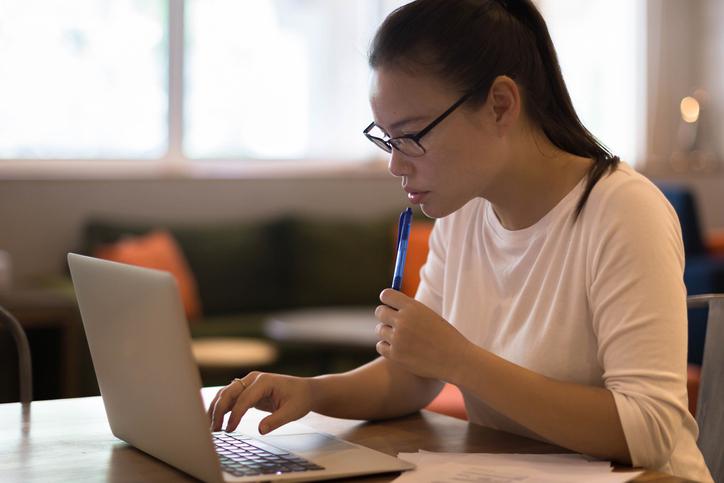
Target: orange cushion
[(715, 242), (158, 250), (693, 377), (450, 402), (417, 248)]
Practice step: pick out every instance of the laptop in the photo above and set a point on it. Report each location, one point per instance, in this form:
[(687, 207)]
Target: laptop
[(140, 345)]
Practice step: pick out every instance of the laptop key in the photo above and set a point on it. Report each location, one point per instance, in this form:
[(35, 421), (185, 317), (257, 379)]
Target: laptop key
[(245, 457)]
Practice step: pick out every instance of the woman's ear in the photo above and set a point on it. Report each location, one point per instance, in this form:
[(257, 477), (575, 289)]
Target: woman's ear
[(504, 99)]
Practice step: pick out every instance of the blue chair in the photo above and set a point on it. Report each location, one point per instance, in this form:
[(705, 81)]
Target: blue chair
[(704, 272)]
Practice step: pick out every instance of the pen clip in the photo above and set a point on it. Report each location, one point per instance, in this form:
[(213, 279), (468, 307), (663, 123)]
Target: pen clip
[(399, 229)]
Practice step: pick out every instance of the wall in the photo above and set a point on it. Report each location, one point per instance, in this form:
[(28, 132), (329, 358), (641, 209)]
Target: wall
[(40, 220), (687, 43)]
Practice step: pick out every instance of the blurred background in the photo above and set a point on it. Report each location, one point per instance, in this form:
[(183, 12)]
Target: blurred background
[(194, 135)]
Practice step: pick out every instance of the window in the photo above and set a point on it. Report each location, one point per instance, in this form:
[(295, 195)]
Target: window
[(277, 78), (197, 80), (83, 79), (600, 46)]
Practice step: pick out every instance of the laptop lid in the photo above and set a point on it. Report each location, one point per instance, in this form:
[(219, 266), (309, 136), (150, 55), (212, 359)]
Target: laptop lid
[(140, 345)]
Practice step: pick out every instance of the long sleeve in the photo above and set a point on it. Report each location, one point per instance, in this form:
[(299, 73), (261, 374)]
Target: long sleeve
[(638, 303)]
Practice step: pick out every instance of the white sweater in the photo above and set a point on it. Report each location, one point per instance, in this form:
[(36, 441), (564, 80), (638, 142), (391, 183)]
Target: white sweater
[(599, 301)]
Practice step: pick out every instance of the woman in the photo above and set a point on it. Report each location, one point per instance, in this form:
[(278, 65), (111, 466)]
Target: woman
[(552, 294)]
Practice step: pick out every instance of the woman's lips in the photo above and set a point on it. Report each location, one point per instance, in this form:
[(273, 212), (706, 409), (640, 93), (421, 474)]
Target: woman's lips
[(416, 197)]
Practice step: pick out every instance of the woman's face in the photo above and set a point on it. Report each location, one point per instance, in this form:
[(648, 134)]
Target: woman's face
[(463, 154)]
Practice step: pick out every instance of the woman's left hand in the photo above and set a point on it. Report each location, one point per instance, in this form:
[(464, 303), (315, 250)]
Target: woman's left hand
[(414, 336)]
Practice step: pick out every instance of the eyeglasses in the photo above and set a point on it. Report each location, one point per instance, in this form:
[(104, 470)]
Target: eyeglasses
[(409, 144)]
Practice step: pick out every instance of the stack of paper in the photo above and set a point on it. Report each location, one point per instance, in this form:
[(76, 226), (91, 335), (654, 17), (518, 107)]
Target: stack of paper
[(504, 468)]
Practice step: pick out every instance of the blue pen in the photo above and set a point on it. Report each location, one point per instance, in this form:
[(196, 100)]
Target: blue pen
[(403, 236)]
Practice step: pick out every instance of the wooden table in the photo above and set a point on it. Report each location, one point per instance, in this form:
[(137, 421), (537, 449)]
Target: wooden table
[(70, 440)]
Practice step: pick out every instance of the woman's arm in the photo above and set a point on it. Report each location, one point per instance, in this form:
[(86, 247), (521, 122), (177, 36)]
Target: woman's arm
[(581, 418), (378, 390), (578, 417)]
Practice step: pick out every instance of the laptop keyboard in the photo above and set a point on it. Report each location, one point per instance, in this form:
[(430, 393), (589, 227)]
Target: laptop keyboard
[(242, 456)]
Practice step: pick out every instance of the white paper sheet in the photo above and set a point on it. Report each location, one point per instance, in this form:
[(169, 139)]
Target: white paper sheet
[(509, 468)]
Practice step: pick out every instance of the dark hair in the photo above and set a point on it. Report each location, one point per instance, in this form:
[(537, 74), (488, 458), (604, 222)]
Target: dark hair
[(468, 43)]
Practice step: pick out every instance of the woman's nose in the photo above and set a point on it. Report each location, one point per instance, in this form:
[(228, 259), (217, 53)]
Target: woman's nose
[(398, 165)]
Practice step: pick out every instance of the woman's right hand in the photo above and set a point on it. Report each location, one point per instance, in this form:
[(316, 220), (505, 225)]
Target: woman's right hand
[(287, 398)]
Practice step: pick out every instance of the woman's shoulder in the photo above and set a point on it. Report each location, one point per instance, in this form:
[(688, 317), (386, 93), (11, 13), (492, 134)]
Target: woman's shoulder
[(626, 191), (627, 202), (630, 220)]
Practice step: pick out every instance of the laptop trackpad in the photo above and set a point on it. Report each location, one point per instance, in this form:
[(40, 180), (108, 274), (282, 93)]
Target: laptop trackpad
[(309, 443), (337, 455)]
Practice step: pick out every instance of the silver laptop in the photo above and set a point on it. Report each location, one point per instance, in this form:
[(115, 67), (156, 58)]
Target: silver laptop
[(140, 345)]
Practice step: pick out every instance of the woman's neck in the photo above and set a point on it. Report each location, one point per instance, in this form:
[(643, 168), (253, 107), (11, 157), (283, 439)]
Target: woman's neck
[(540, 175)]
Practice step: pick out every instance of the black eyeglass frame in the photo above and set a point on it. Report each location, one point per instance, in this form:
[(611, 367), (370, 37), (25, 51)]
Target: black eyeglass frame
[(388, 144)]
